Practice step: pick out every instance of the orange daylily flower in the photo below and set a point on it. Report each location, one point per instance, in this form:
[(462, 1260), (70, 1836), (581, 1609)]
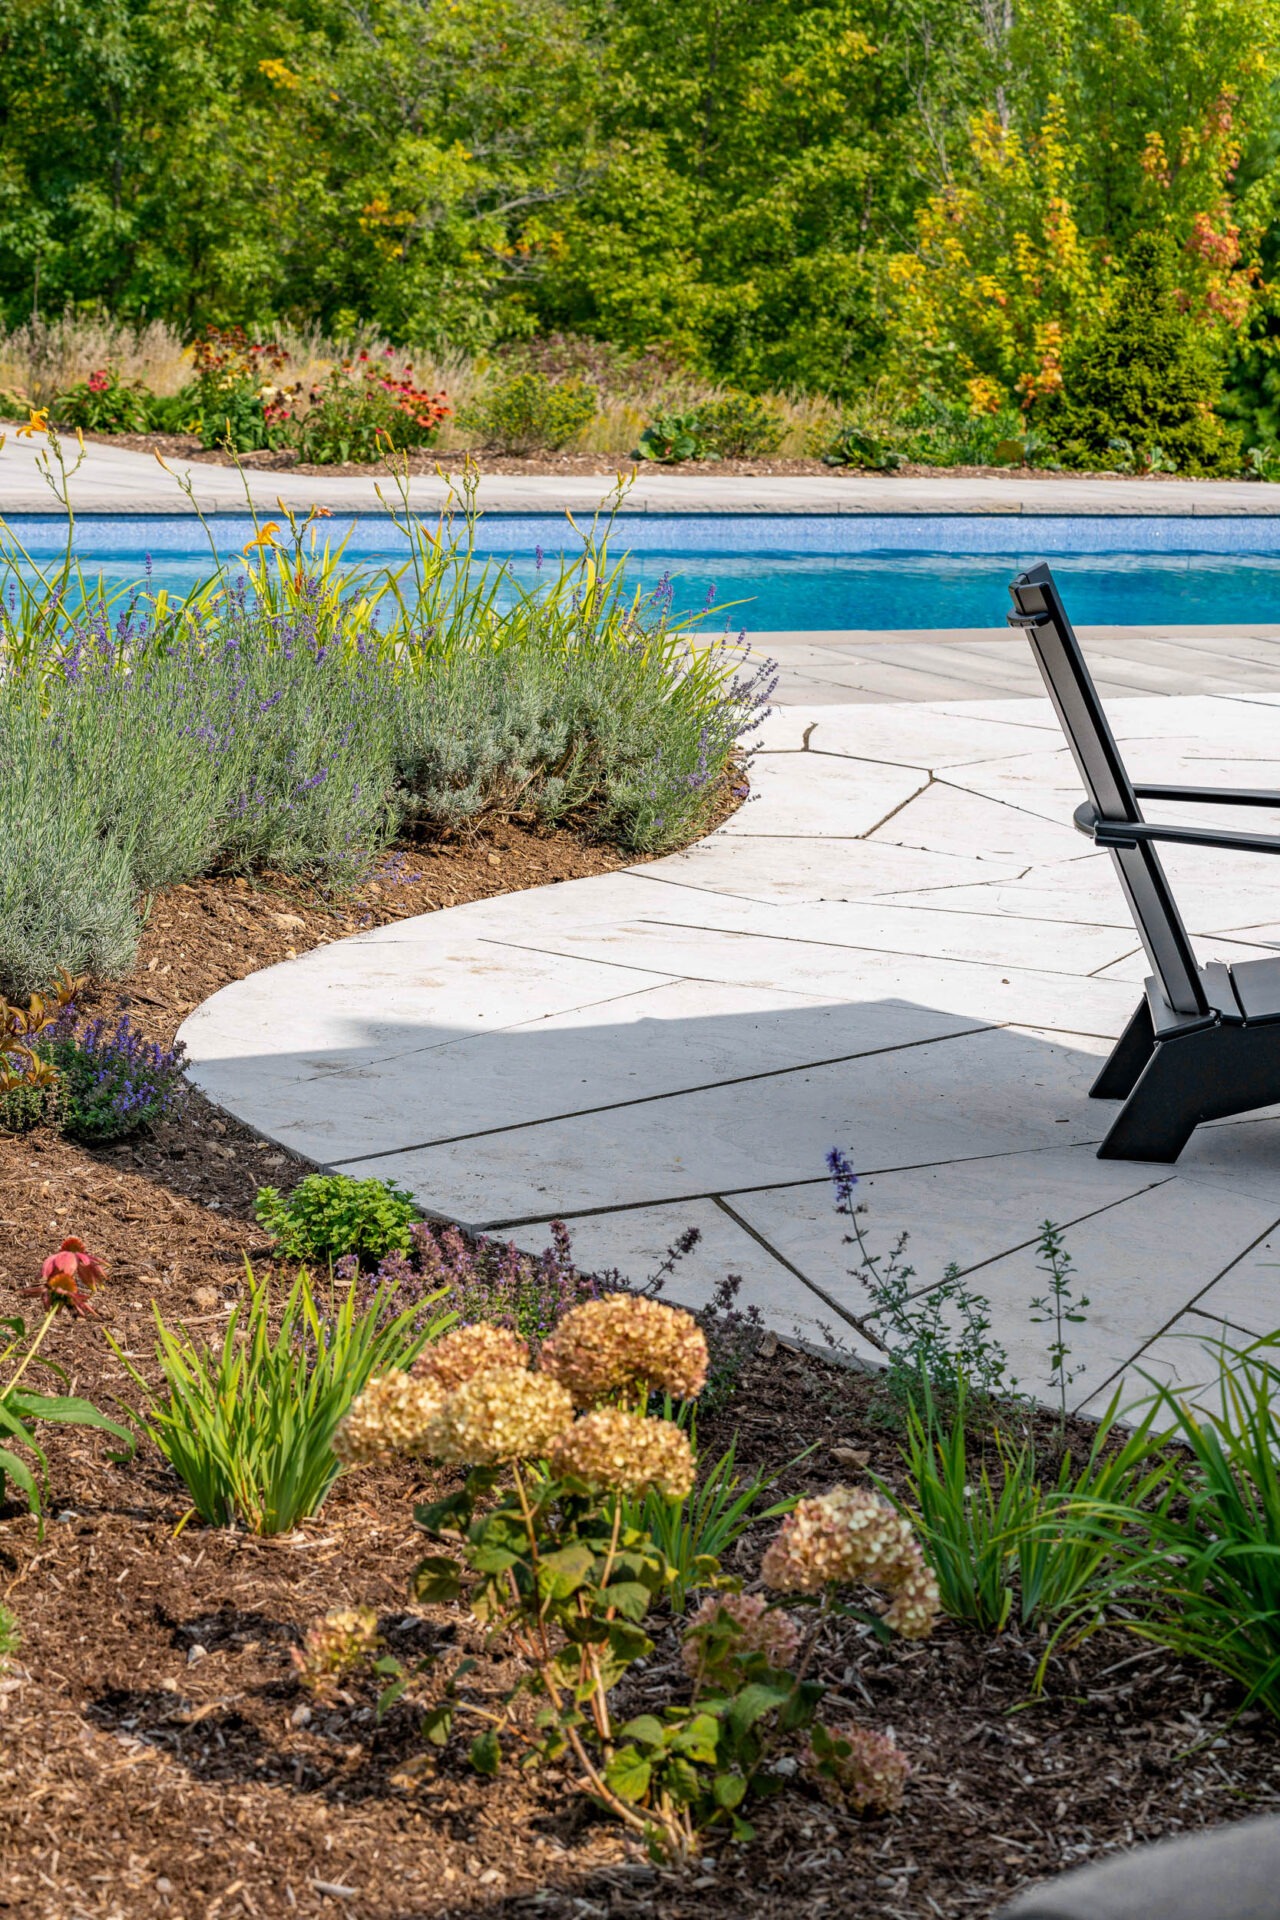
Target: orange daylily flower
[(38, 423), (266, 538)]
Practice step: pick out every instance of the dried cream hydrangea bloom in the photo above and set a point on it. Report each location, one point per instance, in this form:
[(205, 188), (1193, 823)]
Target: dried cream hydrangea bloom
[(502, 1415), (336, 1645), (866, 1771), (391, 1416), (467, 1351), (625, 1452), (759, 1628), (627, 1340), (844, 1538)]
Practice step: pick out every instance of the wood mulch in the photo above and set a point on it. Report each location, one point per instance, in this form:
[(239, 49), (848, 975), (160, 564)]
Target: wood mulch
[(186, 446), (156, 1755)]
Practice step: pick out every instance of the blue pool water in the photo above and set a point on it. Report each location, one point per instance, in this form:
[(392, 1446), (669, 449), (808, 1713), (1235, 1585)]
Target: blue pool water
[(813, 571)]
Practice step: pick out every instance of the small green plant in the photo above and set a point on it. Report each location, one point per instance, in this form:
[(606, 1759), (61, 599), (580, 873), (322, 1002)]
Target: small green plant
[(10, 1638), (329, 1214), (1263, 463), (850, 445), (674, 437), (527, 411), (1059, 1307), (248, 1426), (67, 1278)]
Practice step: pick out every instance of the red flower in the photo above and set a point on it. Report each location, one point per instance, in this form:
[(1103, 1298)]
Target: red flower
[(68, 1278)]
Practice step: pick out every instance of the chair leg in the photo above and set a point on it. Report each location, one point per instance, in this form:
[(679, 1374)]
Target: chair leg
[(1206, 1075), (1128, 1057)]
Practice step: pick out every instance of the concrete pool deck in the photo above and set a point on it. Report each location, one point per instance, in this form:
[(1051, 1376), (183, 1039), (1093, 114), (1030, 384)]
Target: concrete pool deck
[(899, 946), (118, 480)]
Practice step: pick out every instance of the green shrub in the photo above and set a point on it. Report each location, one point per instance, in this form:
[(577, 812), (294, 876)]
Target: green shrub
[(528, 411), (931, 432), (849, 445), (67, 895), (173, 412), (328, 1215), (1145, 374), (738, 426), (248, 1426)]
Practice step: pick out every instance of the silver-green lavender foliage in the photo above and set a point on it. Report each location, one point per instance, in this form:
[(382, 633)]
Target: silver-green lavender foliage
[(300, 714)]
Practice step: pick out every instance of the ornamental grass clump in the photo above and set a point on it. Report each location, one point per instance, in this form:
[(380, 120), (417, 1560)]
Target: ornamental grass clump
[(249, 1425), (545, 1543)]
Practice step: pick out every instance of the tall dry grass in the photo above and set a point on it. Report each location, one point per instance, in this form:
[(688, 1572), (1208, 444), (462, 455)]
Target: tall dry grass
[(44, 358)]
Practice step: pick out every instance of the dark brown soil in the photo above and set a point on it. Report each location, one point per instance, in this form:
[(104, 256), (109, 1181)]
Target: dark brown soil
[(156, 1755), (186, 446)]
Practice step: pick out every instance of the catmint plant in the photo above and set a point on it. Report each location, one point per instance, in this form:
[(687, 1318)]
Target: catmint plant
[(935, 1333), (112, 1081), (1058, 1307)]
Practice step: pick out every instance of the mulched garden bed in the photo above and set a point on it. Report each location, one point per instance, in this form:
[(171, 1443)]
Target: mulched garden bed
[(157, 1757), (187, 446)]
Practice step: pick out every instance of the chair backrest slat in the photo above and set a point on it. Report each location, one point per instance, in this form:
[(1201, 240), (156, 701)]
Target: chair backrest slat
[(1097, 757)]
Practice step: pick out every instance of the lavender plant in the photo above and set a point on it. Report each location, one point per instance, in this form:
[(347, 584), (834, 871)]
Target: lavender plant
[(299, 713)]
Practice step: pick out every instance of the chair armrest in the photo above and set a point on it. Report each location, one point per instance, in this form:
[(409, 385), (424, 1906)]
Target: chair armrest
[(1133, 833), (1211, 796)]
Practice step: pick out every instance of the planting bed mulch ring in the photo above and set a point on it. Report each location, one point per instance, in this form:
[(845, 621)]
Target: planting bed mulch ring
[(157, 1757)]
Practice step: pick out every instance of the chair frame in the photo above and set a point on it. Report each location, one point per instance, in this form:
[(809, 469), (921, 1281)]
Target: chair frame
[(1205, 1042)]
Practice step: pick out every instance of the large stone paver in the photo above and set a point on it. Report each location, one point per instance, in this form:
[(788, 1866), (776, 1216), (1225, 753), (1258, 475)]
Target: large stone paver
[(900, 947), (117, 480)]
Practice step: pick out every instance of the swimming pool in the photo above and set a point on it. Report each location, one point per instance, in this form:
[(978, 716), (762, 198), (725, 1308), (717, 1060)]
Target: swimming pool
[(793, 571)]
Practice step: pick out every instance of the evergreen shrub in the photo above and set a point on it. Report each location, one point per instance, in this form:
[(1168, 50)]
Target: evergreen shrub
[(1140, 386)]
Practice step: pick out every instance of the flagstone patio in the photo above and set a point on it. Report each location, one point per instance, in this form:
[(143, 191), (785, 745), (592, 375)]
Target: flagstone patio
[(899, 946)]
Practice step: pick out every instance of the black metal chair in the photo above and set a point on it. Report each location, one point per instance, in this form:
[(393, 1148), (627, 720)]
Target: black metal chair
[(1205, 1042)]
